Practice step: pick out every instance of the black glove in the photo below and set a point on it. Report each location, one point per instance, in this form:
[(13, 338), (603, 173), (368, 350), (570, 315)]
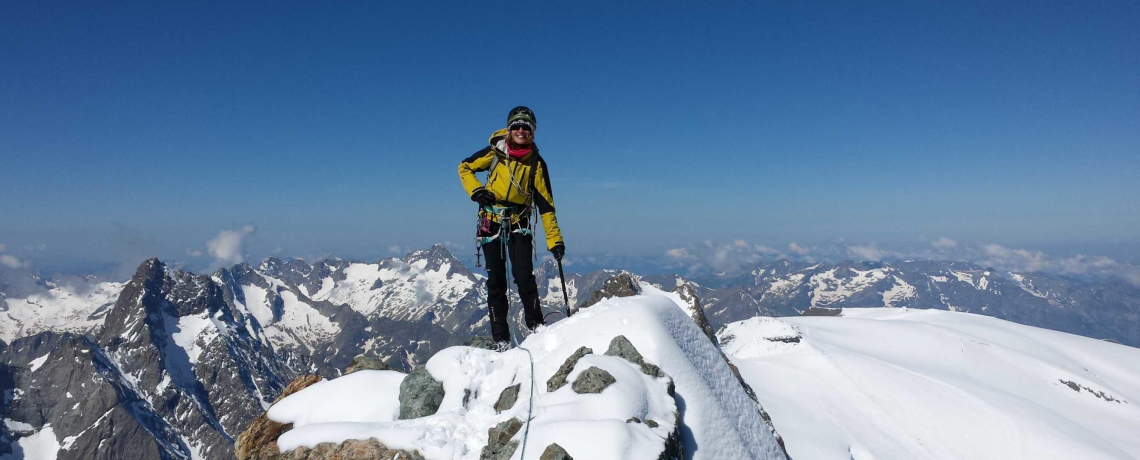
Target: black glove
[(483, 197), (558, 250)]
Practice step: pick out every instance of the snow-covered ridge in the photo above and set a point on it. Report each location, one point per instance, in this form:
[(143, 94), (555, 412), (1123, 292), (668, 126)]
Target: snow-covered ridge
[(888, 383), (721, 422)]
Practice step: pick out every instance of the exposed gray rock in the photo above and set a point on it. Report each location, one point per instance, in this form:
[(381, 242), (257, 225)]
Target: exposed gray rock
[(555, 452), (361, 362), (559, 378), (620, 285), (621, 347), (499, 444), (689, 295), (508, 398), (593, 380), (420, 394), (351, 449)]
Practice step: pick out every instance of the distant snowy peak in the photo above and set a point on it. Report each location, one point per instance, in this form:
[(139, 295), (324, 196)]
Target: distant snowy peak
[(75, 307)]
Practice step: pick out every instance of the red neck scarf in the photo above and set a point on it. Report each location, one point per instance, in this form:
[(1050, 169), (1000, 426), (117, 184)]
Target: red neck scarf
[(518, 153)]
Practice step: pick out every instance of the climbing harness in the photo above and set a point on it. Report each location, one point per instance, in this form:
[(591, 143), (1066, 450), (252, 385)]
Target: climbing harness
[(509, 217)]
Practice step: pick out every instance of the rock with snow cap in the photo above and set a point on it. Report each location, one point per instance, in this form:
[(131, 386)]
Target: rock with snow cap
[(420, 394), (592, 380), (258, 441), (621, 347), (623, 284), (559, 378)]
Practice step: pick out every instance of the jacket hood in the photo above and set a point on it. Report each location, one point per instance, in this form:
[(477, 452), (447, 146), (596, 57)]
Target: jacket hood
[(498, 137), (498, 140)]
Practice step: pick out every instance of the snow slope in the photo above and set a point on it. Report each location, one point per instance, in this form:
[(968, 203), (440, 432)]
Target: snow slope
[(71, 308), (889, 383), (709, 398)]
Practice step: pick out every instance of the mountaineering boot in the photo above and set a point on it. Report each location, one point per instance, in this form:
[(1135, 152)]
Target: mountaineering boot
[(501, 346)]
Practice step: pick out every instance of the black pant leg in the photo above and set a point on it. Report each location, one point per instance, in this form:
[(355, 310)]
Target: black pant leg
[(522, 268), (497, 291)]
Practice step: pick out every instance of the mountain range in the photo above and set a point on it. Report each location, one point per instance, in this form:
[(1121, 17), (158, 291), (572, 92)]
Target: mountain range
[(172, 365)]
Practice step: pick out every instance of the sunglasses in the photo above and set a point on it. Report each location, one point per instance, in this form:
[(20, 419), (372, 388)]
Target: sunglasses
[(520, 126)]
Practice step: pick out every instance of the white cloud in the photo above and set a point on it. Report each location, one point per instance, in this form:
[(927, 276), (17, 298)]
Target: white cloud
[(226, 248), (2, 247), (11, 262), (869, 253), (678, 253), (394, 249), (1024, 260), (193, 252), (797, 249), (944, 243)]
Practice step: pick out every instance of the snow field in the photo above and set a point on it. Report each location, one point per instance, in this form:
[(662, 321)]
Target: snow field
[(589, 426), (61, 308), (891, 383)]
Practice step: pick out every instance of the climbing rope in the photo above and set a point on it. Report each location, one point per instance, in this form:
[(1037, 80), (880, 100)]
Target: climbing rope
[(530, 405)]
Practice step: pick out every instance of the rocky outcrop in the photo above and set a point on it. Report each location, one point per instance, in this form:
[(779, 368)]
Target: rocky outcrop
[(362, 362), (352, 449), (592, 380), (557, 380), (508, 398), (622, 348), (259, 439), (555, 452), (688, 295), (623, 284), (499, 444), (420, 394)]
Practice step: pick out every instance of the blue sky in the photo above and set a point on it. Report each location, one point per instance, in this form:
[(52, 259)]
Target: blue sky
[(136, 129)]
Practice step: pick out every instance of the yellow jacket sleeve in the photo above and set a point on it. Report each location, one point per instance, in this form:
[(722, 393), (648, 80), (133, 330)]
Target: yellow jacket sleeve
[(544, 201), (480, 161)]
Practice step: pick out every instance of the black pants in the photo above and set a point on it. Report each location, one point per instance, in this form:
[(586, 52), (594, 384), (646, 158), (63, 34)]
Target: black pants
[(519, 250)]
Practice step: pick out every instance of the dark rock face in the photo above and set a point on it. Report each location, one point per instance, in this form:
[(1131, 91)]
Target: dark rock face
[(207, 384), (555, 452), (592, 380), (420, 394), (621, 285), (362, 362), (508, 398), (621, 347), (72, 391), (499, 444), (173, 374), (259, 439), (559, 378)]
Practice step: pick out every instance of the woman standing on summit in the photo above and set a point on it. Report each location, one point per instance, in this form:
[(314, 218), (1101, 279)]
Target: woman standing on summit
[(518, 184)]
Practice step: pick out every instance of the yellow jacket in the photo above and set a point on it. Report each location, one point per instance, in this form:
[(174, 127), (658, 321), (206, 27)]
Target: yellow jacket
[(511, 182)]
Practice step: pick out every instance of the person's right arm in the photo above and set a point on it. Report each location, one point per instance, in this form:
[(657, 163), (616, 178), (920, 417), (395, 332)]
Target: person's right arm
[(480, 161)]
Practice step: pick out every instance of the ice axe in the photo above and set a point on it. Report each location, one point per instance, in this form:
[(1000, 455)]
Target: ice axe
[(562, 277)]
